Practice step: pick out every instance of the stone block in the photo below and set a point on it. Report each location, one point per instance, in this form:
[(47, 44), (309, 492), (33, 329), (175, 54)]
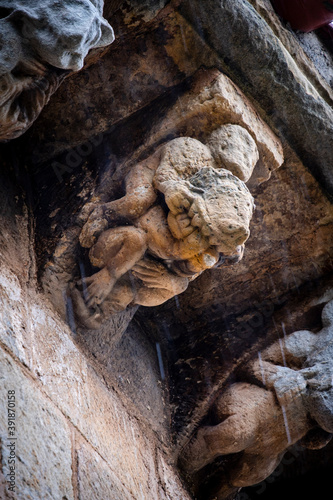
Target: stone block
[(41, 444), (170, 485), (13, 315), (96, 481), (212, 101), (95, 410)]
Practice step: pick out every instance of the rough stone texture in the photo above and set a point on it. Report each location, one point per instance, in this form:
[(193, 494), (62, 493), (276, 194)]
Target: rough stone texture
[(233, 147), (317, 52), (312, 64), (43, 444), (17, 268), (207, 220), (290, 398), (170, 487), (12, 310), (77, 390), (274, 79), (96, 481), (137, 368), (43, 38)]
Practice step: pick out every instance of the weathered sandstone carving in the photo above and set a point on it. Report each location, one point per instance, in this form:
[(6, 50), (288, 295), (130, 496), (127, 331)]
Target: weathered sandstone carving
[(232, 146), (41, 41), (288, 396), (186, 213)]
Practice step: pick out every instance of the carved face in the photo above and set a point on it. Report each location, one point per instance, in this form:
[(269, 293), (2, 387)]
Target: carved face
[(61, 33), (40, 41), (220, 206)]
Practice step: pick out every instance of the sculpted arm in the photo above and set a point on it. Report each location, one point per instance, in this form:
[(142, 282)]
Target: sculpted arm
[(140, 195)]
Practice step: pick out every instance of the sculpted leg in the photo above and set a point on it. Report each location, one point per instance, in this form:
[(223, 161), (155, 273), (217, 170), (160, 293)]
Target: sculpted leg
[(230, 436), (116, 252), (241, 412)]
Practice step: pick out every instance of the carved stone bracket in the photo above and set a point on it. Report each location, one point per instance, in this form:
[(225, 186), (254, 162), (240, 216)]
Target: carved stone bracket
[(186, 208), (43, 41), (212, 101), (286, 396)]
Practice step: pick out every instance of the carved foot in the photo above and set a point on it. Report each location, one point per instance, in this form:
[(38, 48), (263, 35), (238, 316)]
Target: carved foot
[(97, 287), (87, 317)]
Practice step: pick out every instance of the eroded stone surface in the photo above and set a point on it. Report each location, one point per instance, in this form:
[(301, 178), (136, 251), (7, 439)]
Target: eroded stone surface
[(12, 312), (291, 399), (233, 147), (41, 42), (96, 481), (206, 222), (43, 445), (170, 487)]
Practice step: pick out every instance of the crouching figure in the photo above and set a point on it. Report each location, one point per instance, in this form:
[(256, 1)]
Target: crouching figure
[(182, 213), (290, 399)]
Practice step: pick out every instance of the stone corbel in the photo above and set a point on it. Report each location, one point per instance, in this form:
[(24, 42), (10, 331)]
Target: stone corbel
[(286, 397), (187, 207), (42, 42)]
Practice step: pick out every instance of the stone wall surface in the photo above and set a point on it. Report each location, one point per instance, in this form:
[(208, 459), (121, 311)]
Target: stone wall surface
[(75, 436), (105, 412)]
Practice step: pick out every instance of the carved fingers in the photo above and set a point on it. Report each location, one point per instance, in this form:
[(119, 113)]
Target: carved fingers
[(94, 226), (178, 198), (97, 287), (155, 275), (180, 225), (152, 273)]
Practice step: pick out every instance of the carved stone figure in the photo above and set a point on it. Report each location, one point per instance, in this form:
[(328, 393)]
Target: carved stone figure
[(40, 42), (290, 398), (186, 213)]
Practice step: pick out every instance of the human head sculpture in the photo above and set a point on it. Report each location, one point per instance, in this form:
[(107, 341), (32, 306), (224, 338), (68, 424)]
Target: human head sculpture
[(201, 181), (221, 207), (234, 149), (40, 42)]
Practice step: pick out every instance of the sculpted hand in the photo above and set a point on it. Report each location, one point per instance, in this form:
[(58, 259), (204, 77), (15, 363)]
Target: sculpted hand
[(152, 273), (180, 225), (155, 275), (179, 198), (94, 226)]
